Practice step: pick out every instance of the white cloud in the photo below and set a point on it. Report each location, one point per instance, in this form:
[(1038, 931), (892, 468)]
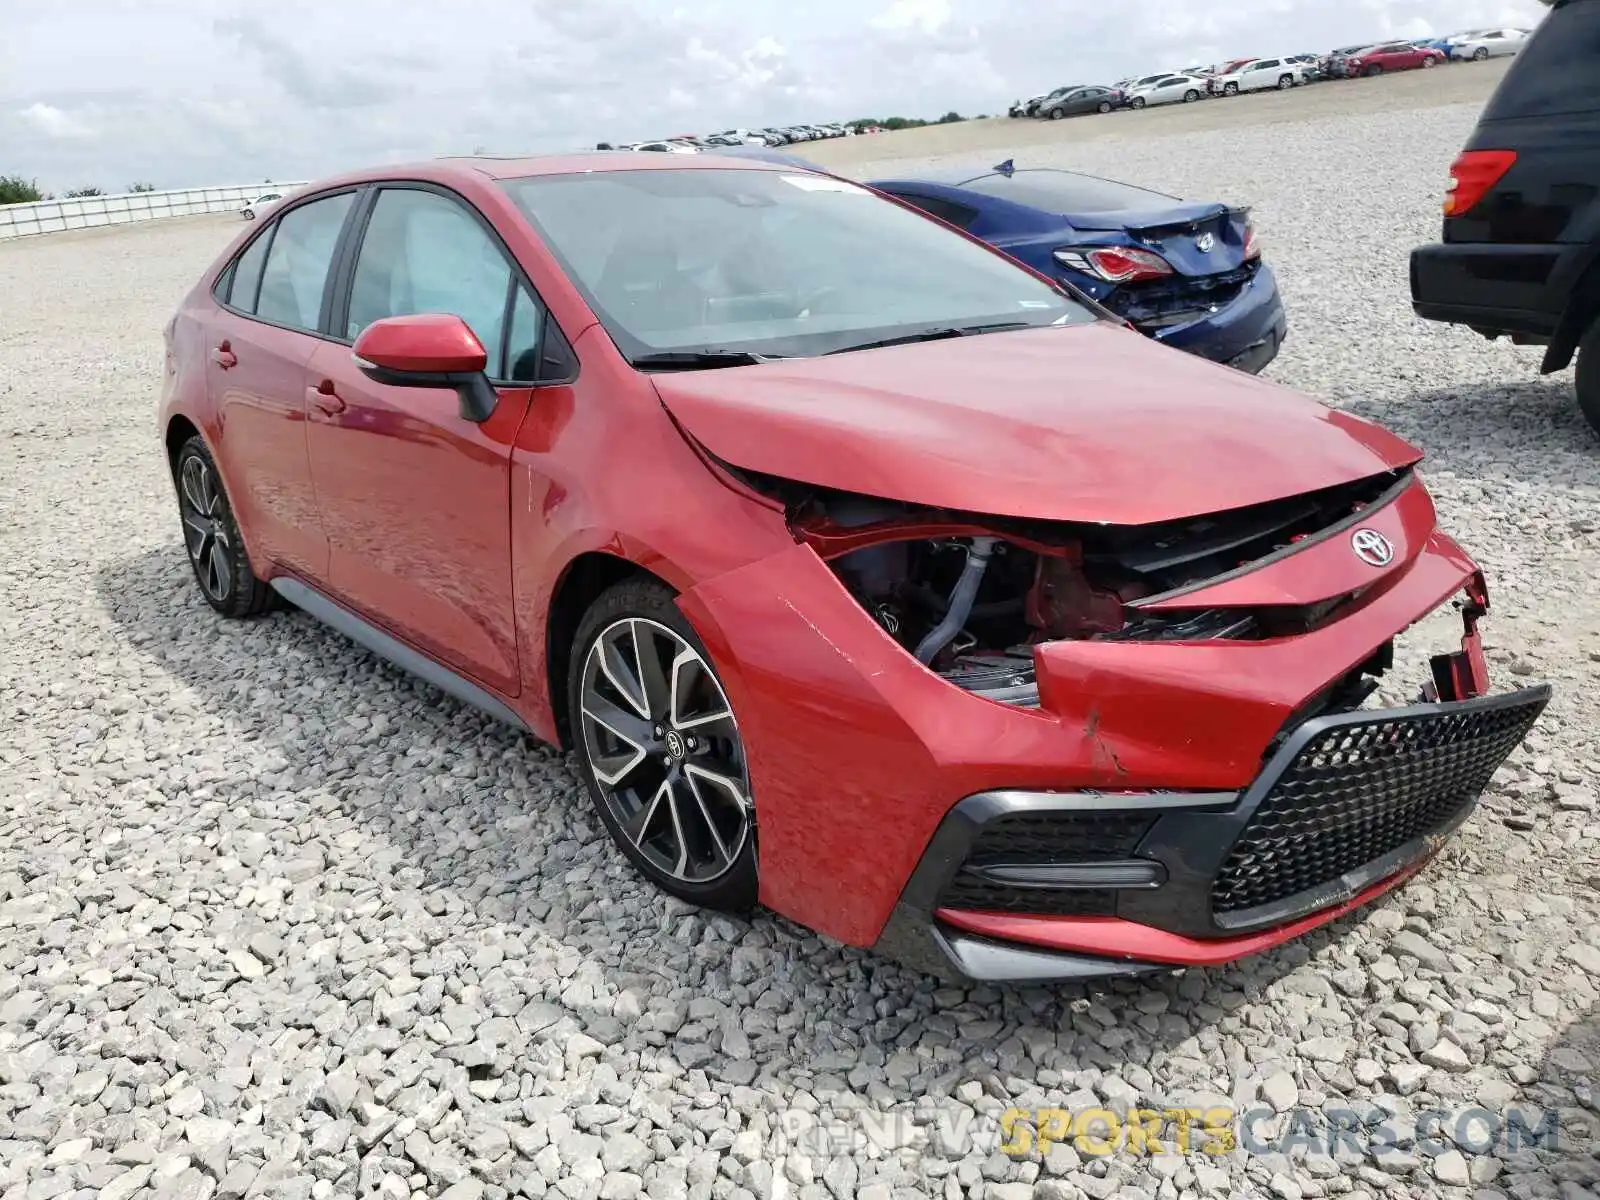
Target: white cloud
[(928, 16), (224, 91), (53, 123)]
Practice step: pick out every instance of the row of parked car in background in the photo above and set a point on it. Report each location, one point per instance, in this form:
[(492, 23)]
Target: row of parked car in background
[(786, 135), (1240, 75)]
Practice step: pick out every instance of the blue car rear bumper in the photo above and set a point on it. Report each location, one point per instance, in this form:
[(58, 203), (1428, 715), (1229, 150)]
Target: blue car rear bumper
[(1246, 333)]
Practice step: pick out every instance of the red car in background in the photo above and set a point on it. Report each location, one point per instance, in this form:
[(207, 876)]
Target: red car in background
[(866, 573), (1388, 56)]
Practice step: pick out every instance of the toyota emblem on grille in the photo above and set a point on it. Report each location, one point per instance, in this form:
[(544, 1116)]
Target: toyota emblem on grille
[(1372, 547), (1204, 243)]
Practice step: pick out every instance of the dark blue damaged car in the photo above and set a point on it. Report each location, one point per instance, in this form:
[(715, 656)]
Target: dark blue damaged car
[(1187, 274)]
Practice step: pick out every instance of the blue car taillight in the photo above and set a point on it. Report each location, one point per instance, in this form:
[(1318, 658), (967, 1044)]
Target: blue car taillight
[(1115, 264)]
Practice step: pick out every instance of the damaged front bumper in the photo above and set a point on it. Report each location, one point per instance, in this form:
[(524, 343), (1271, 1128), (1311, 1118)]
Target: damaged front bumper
[(1037, 885)]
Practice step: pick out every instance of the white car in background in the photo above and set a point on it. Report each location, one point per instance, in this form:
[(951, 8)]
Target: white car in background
[(1492, 43), (1265, 74), (1169, 89), (254, 208), (665, 147)]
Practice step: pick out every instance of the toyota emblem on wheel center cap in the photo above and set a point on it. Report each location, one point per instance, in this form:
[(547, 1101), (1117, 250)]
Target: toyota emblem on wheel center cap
[(1372, 547), (674, 743)]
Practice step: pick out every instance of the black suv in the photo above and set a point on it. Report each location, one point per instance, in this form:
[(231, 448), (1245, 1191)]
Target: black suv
[(1521, 249)]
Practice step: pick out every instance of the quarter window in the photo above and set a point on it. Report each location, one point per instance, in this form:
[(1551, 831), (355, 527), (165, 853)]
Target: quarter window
[(425, 253), (246, 281), (296, 271)]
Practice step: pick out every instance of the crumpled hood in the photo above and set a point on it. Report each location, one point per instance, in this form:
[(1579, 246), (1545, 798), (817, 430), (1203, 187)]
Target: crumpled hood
[(1087, 423)]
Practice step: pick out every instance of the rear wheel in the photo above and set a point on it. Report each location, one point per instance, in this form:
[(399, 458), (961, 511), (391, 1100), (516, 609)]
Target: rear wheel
[(211, 537), (1191, 96), (660, 749), (1589, 376), (1105, 106)]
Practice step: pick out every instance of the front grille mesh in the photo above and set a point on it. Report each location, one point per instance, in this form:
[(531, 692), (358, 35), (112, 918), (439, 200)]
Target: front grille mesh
[(1358, 791), (1029, 838)]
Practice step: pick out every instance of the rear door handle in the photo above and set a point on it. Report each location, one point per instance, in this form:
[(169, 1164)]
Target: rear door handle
[(224, 356), (326, 399)]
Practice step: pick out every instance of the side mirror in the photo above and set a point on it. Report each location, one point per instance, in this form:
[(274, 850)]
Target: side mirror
[(430, 350)]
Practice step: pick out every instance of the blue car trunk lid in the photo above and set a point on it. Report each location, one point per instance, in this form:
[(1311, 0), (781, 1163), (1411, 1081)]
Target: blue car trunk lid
[(1196, 239)]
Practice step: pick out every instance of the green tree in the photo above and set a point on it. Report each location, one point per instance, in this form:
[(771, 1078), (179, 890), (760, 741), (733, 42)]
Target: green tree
[(950, 118), (141, 187), (14, 189), (75, 193)]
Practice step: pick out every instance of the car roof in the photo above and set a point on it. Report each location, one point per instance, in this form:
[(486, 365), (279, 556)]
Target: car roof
[(444, 170)]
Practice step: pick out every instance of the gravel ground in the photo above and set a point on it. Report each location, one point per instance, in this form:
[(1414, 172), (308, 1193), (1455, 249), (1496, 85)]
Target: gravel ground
[(276, 921)]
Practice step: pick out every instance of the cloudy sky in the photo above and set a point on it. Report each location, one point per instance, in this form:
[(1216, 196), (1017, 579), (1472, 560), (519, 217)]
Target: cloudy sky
[(185, 92)]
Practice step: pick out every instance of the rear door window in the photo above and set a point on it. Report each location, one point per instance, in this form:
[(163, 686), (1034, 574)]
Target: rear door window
[(1558, 69)]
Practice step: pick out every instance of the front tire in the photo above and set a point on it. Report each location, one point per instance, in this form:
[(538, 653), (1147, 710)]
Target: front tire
[(1374, 70), (1137, 102), (1429, 63), (211, 537), (1230, 89), (249, 214), (659, 748), (1589, 377), (1056, 114), (1481, 53), (1285, 82)]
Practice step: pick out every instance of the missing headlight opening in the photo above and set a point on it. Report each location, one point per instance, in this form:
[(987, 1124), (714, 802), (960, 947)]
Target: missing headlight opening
[(970, 595)]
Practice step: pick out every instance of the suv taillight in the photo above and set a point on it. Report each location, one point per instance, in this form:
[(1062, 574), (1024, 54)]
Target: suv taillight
[(1472, 175)]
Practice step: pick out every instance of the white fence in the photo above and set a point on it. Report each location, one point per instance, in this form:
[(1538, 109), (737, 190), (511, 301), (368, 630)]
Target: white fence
[(84, 212)]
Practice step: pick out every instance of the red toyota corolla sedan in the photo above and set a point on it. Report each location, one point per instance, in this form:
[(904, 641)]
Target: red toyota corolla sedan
[(866, 573)]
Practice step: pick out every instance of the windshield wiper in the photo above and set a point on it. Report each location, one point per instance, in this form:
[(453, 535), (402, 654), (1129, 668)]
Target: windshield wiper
[(935, 335), (689, 360)]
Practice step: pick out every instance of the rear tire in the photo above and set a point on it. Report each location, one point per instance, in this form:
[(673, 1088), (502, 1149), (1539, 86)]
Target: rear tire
[(1105, 106), (1589, 376), (1191, 96), (676, 803), (211, 537)]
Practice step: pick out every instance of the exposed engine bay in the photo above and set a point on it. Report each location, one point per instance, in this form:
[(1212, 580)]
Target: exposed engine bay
[(970, 596)]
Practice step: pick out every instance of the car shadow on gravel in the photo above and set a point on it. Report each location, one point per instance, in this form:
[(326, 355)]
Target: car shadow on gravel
[(1555, 1116), (1485, 429), (526, 854)]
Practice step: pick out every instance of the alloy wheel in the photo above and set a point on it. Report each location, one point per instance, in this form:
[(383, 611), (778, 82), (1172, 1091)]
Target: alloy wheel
[(665, 750), (205, 529)]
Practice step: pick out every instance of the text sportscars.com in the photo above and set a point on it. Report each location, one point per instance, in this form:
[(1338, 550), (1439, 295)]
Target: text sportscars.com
[(1356, 1131)]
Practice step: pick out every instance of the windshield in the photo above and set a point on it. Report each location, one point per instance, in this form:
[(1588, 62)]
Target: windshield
[(770, 263)]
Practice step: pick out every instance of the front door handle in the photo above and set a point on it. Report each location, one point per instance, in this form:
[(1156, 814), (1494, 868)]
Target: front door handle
[(326, 398), (224, 356)]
